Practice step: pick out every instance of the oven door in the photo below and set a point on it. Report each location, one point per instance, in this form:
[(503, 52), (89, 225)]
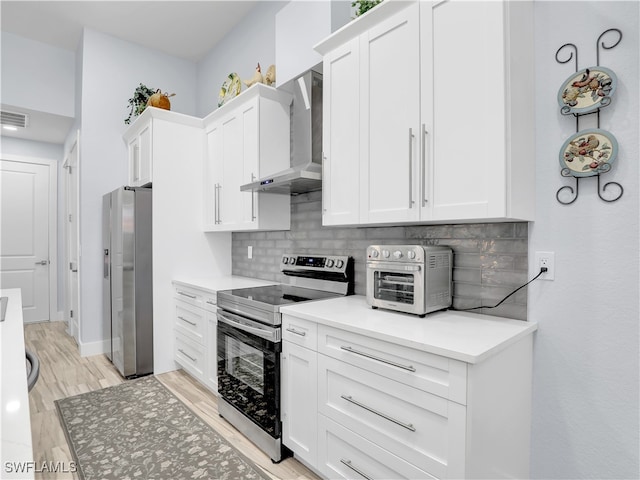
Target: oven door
[(249, 369), (396, 286)]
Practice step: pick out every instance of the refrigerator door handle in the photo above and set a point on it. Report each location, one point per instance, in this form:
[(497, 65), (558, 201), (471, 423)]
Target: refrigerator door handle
[(106, 263)]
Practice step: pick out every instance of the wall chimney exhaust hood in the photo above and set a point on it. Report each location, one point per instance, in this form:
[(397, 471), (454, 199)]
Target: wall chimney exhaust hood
[(305, 174)]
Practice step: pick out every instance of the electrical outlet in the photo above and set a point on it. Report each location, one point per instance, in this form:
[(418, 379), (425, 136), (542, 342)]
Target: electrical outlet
[(546, 259), (249, 251)]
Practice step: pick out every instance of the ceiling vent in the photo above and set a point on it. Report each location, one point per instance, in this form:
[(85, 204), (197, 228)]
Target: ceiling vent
[(14, 119)]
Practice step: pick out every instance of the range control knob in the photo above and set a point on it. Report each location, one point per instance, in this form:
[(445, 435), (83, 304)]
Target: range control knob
[(292, 260), (411, 254), (397, 254), (329, 263), (285, 260), (386, 253), (374, 254), (339, 263)]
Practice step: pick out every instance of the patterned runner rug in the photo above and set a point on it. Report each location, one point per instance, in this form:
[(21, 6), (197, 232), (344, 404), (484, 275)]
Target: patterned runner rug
[(140, 430)]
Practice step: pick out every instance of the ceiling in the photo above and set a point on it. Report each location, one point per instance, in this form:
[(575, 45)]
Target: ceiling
[(182, 28)]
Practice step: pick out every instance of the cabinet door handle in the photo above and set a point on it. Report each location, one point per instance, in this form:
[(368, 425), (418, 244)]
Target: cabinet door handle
[(209, 302), (355, 469), (187, 355), (296, 332), (383, 360), (410, 168), (186, 294), (424, 165), (253, 195), (408, 426), (217, 214), (188, 321)]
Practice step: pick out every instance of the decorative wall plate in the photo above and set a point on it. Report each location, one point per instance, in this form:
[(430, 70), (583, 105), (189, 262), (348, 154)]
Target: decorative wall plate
[(229, 89), (588, 153), (587, 90)]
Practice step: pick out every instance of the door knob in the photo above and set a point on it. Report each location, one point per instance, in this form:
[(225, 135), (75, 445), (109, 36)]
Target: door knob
[(43, 262)]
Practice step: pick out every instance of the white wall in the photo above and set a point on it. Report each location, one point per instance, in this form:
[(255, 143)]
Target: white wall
[(586, 364), (37, 76), (250, 42), (111, 70)]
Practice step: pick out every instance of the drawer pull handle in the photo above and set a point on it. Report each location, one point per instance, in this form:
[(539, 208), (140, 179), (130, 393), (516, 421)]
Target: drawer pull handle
[(296, 332), (408, 426), (210, 302), (186, 295), (185, 320), (194, 360), (355, 469), (373, 357)]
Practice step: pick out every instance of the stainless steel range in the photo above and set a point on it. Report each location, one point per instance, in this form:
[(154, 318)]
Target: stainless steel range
[(249, 342)]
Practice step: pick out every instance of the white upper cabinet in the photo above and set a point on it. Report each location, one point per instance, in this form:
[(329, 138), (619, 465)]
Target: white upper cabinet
[(143, 144), (340, 135), (441, 126), (247, 138), (483, 134), (390, 117)]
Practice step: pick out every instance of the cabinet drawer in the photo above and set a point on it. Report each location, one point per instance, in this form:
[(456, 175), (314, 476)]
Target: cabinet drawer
[(299, 331), (435, 374), (190, 321), (190, 295), (424, 429), (190, 356), (344, 454)]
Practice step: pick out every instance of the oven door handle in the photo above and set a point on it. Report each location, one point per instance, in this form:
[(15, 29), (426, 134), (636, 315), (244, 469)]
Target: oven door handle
[(273, 335), (389, 267)]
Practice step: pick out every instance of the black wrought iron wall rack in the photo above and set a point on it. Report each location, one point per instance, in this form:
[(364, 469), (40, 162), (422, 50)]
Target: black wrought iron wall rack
[(603, 100)]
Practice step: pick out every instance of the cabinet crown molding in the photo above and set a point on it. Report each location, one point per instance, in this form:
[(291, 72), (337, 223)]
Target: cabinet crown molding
[(161, 114), (257, 90), (361, 24)]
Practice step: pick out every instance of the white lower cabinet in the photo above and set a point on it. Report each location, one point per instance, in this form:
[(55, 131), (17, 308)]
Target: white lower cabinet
[(299, 398), (418, 427), (299, 401), (344, 454), (355, 406), (195, 328)]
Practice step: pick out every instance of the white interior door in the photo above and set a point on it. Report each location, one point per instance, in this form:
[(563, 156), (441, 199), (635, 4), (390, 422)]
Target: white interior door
[(71, 240), (24, 235)]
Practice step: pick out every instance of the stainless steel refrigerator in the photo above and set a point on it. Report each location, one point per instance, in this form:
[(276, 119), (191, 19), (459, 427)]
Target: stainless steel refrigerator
[(127, 283)]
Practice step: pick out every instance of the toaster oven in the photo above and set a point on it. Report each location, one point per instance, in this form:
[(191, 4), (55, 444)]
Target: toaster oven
[(409, 278)]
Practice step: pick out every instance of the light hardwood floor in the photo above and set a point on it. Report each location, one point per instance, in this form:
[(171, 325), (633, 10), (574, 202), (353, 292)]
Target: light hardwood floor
[(64, 373)]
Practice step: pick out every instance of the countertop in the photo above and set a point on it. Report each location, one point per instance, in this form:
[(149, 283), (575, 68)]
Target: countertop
[(227, 282), (14, 396), (465, 336)]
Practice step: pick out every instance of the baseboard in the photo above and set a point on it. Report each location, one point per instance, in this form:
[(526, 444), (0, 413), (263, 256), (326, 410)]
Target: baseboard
[(89, 349), (59, 317)]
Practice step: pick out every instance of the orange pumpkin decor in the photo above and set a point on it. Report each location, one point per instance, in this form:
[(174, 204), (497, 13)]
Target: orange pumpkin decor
[(160, 100)]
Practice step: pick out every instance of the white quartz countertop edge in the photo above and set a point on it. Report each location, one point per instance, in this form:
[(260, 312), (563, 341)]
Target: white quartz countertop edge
[(16, 446), (224, 282), (464, 336)]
